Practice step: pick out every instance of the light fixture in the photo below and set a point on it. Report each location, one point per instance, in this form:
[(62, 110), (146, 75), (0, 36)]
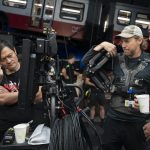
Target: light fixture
[(142, 22), (18, 1), (71, 10), (124, 19)]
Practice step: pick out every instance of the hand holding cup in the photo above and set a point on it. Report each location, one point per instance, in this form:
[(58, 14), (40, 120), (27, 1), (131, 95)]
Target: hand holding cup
[(143, 103)]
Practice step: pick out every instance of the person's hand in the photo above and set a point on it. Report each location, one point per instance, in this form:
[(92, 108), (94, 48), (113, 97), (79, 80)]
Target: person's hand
[(111, 48), (146, 129), (38, 96), (136, 104)]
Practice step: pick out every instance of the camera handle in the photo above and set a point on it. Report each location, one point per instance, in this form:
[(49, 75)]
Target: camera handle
[(77, 100)]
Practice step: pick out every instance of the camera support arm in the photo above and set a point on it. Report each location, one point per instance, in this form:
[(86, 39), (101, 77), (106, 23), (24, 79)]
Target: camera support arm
[(93, 70), (103, 60)]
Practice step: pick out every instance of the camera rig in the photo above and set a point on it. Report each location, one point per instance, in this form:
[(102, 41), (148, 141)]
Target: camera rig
[(95, 72), (40, 67)]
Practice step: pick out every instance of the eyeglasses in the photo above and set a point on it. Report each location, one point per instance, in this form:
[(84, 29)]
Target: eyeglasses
[(9, 56)]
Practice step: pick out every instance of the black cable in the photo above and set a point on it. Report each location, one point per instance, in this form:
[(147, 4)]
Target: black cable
[(86, 135), (66, 133), (93, 127)]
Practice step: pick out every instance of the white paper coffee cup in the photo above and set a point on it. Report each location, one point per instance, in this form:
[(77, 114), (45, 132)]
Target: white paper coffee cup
[(20, 132), (143, 101)]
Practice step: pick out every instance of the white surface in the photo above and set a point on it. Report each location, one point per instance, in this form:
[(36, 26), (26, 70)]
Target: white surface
[(20, 132), (143, 101), (41, 135)]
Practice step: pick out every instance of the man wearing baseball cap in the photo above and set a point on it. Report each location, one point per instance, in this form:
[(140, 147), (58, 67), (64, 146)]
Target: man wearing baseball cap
[(124, 123), (130, 31)]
